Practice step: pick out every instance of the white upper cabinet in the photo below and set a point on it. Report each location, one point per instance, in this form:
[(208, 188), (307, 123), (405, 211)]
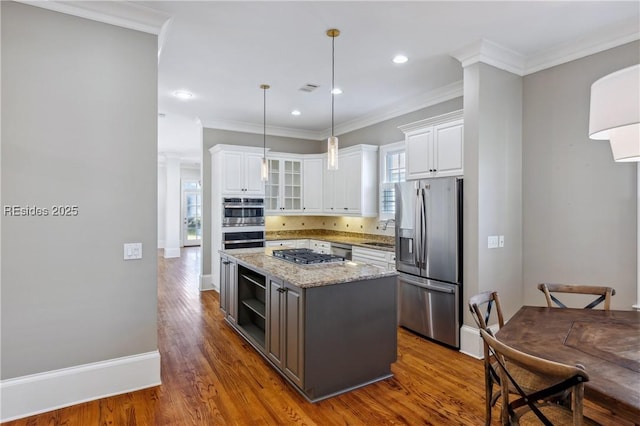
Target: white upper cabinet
[(312, 188), (352, 189), (435, 147), (284, 187), (238, 169)]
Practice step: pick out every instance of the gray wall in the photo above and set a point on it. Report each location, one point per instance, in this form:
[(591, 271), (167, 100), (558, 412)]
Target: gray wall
[(492, 184), (579, 205), (79, 104), (387, 131)]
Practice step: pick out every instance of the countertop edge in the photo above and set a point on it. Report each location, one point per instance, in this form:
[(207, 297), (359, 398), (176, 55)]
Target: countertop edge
[(306, 276)]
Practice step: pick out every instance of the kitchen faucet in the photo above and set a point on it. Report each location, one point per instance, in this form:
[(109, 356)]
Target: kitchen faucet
[(385, 223)]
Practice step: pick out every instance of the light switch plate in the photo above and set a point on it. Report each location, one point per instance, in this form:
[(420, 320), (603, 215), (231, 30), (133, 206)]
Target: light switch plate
[(492, 241), (132, 251), (501, 241)]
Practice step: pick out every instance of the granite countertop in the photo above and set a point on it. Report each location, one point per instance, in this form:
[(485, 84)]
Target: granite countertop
[(352, 238), (306, 276)]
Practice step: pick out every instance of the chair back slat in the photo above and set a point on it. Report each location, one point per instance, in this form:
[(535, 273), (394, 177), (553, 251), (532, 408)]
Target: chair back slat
[(481, 306), (604, 294)]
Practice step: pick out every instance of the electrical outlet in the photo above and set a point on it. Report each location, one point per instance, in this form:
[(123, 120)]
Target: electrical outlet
[(132, 251)]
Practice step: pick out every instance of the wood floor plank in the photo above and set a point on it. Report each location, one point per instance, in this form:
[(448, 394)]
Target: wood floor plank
[(211, 376)]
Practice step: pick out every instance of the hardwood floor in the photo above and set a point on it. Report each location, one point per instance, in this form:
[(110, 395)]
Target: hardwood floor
[(211, 376)]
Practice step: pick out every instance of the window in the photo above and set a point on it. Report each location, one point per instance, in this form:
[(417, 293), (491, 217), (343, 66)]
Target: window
[(392, 170)]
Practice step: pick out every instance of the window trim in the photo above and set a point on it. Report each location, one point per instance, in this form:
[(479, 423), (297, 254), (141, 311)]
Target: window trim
[(384, 150)]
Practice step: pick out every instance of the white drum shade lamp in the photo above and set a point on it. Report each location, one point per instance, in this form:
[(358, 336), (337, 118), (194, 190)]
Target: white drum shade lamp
[(615, 115), (615, 112)]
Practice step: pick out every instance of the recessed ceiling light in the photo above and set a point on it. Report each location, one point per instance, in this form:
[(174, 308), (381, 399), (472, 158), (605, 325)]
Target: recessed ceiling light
[(336, 91), (400, 59), (295, 112), (182, 94)]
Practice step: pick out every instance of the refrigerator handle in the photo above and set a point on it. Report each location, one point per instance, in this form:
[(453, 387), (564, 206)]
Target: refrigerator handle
[(425, 231), (417, 217), (423, 225)]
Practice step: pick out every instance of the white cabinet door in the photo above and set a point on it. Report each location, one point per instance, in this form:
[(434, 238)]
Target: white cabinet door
[(240, 173), (382, 258), (328, 183), (435, 147), (419, 146), (302, 244), (323, 247), (312, 184), (351, 183), (252, 180), (232, 172), (448, 149), (340, 185), (352, 189)]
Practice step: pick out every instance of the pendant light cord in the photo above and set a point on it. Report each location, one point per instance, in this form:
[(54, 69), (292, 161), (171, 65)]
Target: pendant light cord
[(264, 122), (333, 71)]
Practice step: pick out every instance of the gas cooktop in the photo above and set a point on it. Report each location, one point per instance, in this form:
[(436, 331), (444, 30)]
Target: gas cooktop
[(306, 256)]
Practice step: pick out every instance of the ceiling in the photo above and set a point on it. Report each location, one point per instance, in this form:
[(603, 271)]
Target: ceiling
[(222, 51)]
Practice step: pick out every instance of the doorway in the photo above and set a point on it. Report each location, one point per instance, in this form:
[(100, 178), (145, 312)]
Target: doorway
[(191, 213)]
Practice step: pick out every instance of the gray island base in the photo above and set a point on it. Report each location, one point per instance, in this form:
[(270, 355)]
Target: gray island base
[(327, 335)]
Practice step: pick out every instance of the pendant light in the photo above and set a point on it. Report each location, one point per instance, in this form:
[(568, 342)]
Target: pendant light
[(615, 112), (264, 171), (332, 142)]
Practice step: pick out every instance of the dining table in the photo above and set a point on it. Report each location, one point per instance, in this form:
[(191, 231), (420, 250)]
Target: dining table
[(606, 343)]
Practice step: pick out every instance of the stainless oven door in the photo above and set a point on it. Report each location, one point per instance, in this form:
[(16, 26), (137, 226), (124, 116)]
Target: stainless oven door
[(243, 238), (243, 212)]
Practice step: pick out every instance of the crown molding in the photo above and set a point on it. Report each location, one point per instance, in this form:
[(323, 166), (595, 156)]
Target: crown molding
[(427, 99), (607, 38), (491, 53), (242, 126), (120, 13)]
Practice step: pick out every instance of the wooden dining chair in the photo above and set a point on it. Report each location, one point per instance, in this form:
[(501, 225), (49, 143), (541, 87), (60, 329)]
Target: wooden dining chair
[(604, 294), (482, 306), (534, 407)]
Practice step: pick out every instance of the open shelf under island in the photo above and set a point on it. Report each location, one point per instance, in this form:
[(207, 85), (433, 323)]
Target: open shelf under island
[(327, 328)]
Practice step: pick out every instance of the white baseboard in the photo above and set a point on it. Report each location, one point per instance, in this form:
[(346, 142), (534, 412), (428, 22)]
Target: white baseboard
[(171, 252), (206, 283), (471, 342), (38, 393), (160, 244)]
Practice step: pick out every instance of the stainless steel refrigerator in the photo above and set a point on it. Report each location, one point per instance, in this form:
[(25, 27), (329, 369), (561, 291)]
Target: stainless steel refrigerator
[(429, 257)]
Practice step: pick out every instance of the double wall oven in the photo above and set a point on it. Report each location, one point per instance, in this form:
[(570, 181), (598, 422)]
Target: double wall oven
[(243, 223)]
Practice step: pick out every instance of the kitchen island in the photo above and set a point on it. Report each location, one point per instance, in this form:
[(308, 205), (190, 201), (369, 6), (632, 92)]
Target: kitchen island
[(326, 328)]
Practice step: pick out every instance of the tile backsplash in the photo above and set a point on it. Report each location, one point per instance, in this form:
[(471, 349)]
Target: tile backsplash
[(366, 225)]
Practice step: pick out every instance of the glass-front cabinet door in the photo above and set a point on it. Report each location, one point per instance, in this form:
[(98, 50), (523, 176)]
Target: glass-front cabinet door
[(284, 187), (292, 196), (272, 187)]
